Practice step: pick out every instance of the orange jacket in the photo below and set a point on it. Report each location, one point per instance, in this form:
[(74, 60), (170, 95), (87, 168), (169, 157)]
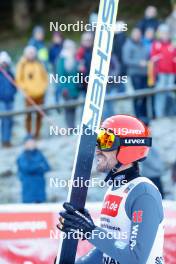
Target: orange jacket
[(32, 78)]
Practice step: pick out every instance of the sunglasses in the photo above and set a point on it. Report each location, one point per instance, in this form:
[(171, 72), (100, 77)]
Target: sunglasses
[(108, 141)]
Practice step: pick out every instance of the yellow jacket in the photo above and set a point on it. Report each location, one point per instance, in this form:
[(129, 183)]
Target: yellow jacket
[(32, 78)]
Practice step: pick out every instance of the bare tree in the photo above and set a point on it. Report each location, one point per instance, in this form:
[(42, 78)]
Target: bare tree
[(21, 15), (39, 6)]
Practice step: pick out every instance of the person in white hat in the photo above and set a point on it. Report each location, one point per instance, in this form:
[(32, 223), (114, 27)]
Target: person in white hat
[(7, 96)]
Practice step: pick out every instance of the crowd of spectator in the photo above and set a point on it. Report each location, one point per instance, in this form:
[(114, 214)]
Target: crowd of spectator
[(147, 56)]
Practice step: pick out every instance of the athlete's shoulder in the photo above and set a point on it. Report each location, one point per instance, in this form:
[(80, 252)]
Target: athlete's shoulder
[(146, 191), (145, 186)]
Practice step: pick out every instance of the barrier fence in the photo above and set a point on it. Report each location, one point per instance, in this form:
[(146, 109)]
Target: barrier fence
[(28, 233), (75, 103)]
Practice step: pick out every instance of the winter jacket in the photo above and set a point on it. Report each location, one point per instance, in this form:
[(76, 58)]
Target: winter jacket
[(171, 22), (148, 46), (114, 68), (42, 51), (54, 52), (84, 56), (7, 89), (119, 41), (69, 88), (32, 166), (133, 54), (164, 56), (32, 78), (146, 23)]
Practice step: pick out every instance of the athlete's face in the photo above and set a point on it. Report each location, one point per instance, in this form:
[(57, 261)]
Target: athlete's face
[(105, 160)]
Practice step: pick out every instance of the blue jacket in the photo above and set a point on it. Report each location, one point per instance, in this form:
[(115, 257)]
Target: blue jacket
[(32, 166), (54, 52), (36, 43), (146, 23), (7, 90), (69, 89)]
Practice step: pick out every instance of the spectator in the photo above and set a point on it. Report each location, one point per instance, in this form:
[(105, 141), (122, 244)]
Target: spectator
[(37, 40), (148, 40), (135, 58), (163, 54), (153, 168), (93, 18), (55, 49), (67, 67), (119, 41), (150, 20), (84, 57), (7, 94), (32, 166), (171, 21), (32, 78), (112, 86)]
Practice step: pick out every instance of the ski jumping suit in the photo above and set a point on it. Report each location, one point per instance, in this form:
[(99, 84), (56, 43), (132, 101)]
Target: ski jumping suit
[(132, 212)]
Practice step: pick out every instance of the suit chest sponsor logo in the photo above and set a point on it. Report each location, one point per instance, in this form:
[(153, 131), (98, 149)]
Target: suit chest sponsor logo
[(111, 205)]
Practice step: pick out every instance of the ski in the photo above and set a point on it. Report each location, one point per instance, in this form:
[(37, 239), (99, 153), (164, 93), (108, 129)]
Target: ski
[(91, 118)]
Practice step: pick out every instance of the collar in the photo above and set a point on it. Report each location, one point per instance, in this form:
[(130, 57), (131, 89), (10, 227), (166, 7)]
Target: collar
[(128, 174)]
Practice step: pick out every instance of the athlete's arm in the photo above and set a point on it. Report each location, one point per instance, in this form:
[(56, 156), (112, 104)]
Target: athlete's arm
[(143, 233), (94, 256)]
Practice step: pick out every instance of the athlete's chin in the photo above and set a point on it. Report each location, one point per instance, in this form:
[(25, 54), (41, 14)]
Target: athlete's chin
[(101, 167)]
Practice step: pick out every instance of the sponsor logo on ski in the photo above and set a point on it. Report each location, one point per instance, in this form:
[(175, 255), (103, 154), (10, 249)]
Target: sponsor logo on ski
[(111, 205)]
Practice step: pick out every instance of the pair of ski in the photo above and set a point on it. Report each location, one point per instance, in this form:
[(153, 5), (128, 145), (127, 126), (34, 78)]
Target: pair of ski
[(91, 116)]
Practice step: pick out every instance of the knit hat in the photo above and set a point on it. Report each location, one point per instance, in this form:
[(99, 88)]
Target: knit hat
[(38, 29), (5, 58), (163, 28)]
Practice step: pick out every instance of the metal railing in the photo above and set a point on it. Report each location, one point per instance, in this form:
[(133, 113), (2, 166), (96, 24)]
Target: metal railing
[(75, 103)]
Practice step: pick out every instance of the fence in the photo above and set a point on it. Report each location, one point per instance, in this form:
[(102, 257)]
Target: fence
[(123, 96)]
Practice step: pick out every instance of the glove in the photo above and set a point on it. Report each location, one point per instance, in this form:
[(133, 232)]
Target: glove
[(72, 220)]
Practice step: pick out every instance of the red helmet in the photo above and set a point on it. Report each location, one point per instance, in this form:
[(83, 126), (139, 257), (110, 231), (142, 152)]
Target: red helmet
[(133, 134)]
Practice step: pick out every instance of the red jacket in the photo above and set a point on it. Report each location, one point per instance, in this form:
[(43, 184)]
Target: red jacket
[(163, 54)]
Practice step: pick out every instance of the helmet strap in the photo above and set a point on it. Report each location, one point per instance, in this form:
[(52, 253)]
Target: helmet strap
[(113, 172)]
